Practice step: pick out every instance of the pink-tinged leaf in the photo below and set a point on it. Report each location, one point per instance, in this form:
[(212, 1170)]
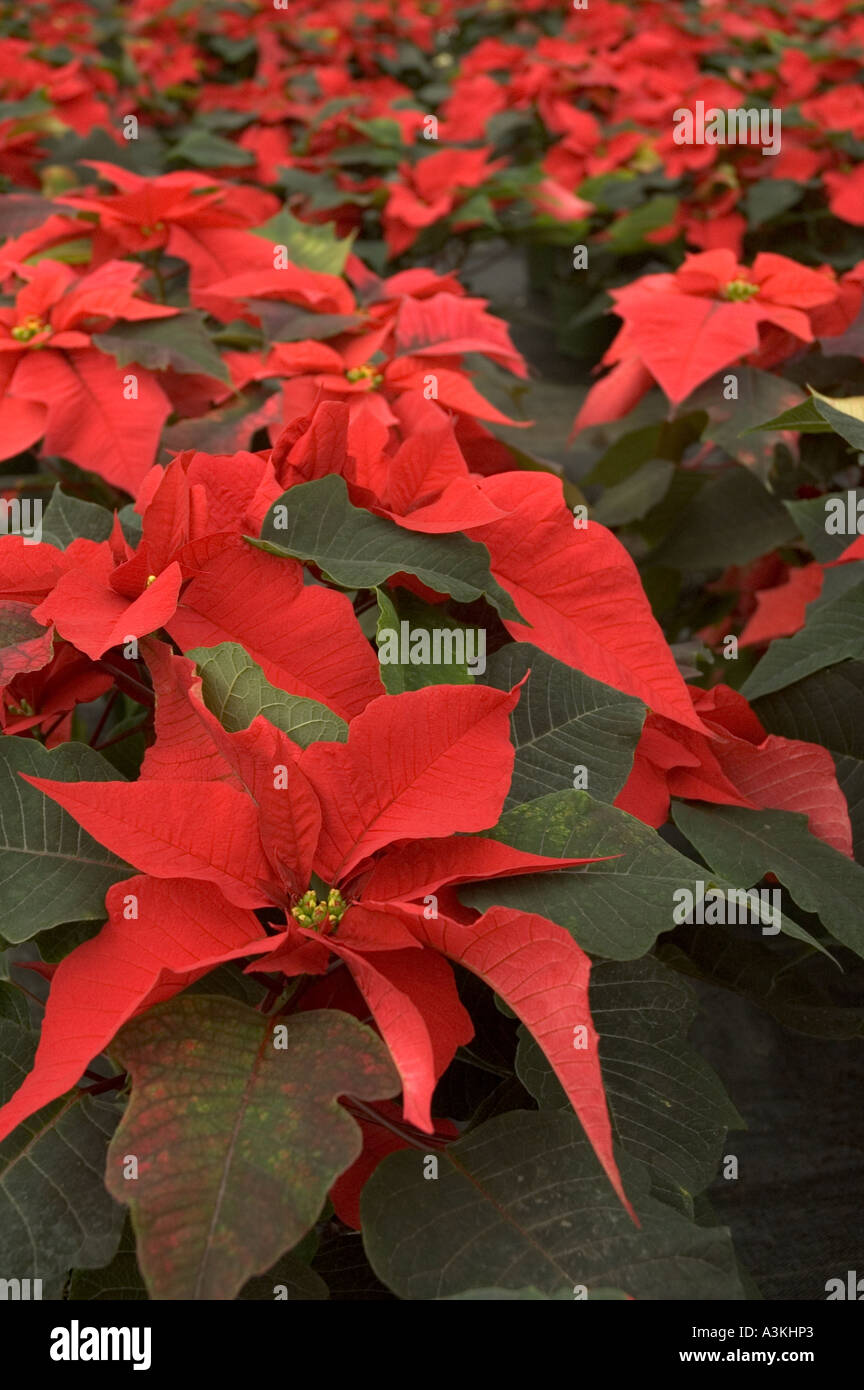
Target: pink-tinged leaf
[(181, 931), (537, 968), (199, 830), (25, 645), (785, 774), (426, 763), (235, 1164), (245, 595), (89, 419), (581, 592)]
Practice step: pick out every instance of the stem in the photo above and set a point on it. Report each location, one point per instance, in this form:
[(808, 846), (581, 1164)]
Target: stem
[(407, 1132), (109, 705), (57, 722), (112, 1083), (118, 738), (155, 257), (142, 693)]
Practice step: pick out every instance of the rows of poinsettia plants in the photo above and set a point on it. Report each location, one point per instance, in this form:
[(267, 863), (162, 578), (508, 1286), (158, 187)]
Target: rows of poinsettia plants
[(376, 767)]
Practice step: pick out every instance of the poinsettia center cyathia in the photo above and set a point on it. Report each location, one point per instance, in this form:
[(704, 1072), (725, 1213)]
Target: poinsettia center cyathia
[(315, 912), (739, 290), (30, 328), (365, 373)]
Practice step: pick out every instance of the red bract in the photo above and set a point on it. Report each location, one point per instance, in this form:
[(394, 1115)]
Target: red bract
[(430, 190), (741, 764), (385, 821), (681, 329), (176, 212), (56, 384), (193, 574), (576, 585)]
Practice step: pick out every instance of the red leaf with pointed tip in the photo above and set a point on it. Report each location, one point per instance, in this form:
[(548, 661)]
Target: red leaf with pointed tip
[(410, 871), (183, 748), (398, 774), (581, 592), (416, 1008), (198, 830), (90, 420), (91, 615), (537, 968), (182, 930), (245, 595), (782, 611), (289, 817)]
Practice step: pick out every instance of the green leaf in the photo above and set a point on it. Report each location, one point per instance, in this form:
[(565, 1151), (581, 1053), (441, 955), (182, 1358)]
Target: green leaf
[(34, 104), (288, 323), (616, 908), (824, 415), (315, 247), (240, 1156), (66, 518), (54, 1210), (802, 991), (804, 418), (181, 342), (520, 1202), (735, 425), (119, 1281), (51, 871), (833, 631), (205, 150), (235, 689), (629, 232), (316, 522), (731, 521), (565, 721), (845, 416), (769, 198), (421, 618), (289, 1280), (669, 1109), (77, 251), (744, 845), (811, 514), (122, 1280), (631, 499), (529, 1295)]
